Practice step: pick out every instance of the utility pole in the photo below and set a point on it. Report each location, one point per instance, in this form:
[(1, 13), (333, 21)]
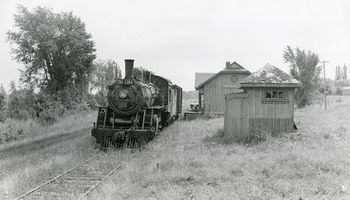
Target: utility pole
[(324, 83)]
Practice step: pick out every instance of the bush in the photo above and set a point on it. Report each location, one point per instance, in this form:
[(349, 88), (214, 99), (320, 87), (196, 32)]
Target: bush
[(91, 101), (20, 104), (81, 107), (10, 131), (2, 104), (48, 109)]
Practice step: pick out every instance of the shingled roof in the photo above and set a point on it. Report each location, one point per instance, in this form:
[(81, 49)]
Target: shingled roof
[(231, 68), (270, 75)]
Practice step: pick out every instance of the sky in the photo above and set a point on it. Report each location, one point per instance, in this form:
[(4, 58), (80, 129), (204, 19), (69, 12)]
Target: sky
[(175, 39)]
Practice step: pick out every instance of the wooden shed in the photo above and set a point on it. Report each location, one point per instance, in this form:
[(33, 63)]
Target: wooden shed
[(212, 88), (266, 105)]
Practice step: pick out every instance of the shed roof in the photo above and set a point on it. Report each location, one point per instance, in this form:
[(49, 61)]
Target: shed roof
[(201, 77), (231, 68), (346, 88), (270, 76)]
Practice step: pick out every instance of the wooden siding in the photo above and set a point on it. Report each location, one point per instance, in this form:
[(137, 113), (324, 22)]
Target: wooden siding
[(270, 109), (258, 116), (236, 116), (216, 89)]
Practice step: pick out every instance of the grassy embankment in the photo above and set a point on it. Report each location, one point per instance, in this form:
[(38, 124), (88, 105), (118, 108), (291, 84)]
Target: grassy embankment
[(43, 152), (189, 160), (18, 131)]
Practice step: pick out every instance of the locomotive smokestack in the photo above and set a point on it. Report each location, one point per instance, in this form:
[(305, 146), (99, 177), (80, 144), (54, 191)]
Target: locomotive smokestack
[(129, 67)]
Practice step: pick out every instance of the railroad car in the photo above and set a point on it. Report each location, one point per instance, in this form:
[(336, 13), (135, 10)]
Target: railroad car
[(139, 106)]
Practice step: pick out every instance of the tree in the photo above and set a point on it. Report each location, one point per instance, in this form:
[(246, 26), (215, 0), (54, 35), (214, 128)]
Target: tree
[(345, 72), (104, 74), (2, 103), (303, 67), (338, 73), (55, 49)]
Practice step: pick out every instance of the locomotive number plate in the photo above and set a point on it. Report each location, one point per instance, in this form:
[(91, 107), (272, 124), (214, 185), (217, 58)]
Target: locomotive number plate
[(127, 81)]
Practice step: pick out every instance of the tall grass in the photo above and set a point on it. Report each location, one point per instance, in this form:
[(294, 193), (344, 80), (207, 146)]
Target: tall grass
[(14, 132), (41, 152), (190, 160), (22, 172)]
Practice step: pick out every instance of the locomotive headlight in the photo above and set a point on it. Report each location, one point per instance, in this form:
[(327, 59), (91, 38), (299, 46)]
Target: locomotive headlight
[(123, 94)]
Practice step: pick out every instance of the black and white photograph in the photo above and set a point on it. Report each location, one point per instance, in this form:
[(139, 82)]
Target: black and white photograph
[(178, 100)]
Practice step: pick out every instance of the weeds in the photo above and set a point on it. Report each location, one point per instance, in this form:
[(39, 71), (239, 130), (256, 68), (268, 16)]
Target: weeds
[(16, 131), (192, 160)]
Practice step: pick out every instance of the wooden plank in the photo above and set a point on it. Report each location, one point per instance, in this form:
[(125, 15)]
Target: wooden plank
[(277, 117), (281, 126), (246, 117), (253, 130), (276, 128), (238, 107), (232, 119), (264, 124), (242, 118), (289, 125), (264, 112), (257, 104), (251, 102), (270, 123), (282, 113), (227, 119), (261, 124), (290, 110), (207, 98), (284, 125), (277, 110)]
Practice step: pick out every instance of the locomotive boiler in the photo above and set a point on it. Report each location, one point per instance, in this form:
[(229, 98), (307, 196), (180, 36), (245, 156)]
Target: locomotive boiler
[(139, 106)]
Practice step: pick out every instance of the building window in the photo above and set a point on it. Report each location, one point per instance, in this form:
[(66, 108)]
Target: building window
[(274, 95)]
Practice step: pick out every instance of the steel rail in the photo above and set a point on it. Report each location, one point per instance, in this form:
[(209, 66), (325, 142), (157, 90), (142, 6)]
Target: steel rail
[(55, 178), (105, 177)]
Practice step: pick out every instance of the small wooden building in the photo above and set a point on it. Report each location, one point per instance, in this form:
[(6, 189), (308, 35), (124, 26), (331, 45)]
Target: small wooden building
[(346, 90), (266, 105), (212, 88)]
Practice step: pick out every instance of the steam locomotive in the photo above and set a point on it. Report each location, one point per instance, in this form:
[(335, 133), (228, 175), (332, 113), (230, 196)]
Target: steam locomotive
[(139, 106)]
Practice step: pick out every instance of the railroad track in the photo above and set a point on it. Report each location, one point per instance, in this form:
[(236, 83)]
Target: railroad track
[(79, 181)]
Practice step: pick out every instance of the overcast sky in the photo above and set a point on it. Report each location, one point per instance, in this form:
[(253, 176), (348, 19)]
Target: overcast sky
[(178, 38)]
